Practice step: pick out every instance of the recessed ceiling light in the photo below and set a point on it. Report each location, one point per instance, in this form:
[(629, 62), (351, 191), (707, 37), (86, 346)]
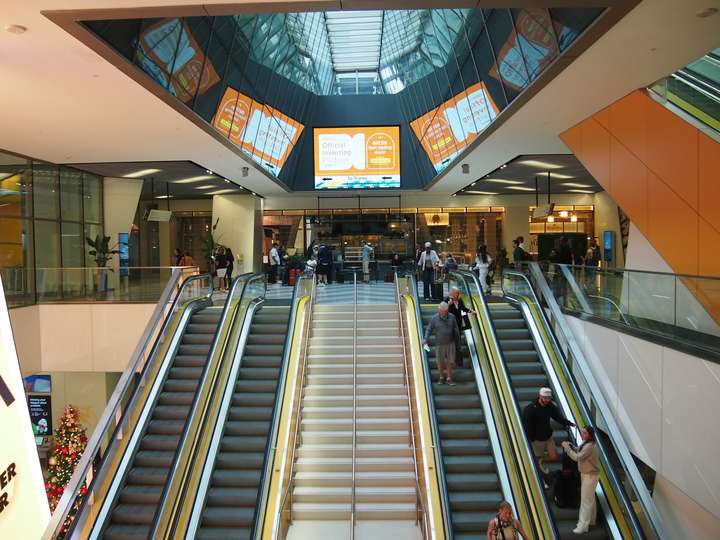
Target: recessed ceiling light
[(581, 191), (16, 29), (561, 176), (208, 171), (472, 192), (142, 172), (573, 184), (503, 181), (221, 192), (192, 179), (163, 196), (538, 163), (521, 188), (503, 166)]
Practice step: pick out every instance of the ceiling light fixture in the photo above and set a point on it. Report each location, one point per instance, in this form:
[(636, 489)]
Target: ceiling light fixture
[(163, 196), (503, 165), (192, 179), (551, 219), (521, 188), (581, 191), (563, 213), (141, 173), (561, 176), (573, 218), (208, 186), (574, 184), (472, 192), (538, 163), (221, 192), (503, 181)]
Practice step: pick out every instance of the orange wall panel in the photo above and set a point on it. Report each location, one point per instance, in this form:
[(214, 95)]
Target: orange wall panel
[(709, 181), (672, 150), (573, 139), (709, 256), (604, 117), (629, 181), (596, 152), (628, 124)]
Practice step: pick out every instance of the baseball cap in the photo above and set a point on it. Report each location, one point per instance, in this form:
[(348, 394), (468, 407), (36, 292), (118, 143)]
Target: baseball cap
[(545, 392), (428, 244)]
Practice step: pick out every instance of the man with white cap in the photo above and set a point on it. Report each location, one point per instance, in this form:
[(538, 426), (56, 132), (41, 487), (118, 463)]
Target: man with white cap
[(536, 417), (427, 262)]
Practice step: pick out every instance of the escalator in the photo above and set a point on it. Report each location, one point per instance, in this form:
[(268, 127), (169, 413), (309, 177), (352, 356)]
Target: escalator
[(473, 485), (138, 498), (232, 494), (527, 376)]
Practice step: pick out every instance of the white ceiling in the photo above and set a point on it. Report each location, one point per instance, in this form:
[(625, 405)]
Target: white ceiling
[(653, 40), (61, 102)]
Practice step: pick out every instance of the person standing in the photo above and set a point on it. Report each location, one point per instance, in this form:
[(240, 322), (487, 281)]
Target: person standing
[(324, 262), (282, 267), (367, 249), (221, 265), (230, 267), (536, 418), (504, 526), (588, 462), (482, 264), (446, 331), (274, 261), (427, 262), (458, 309)]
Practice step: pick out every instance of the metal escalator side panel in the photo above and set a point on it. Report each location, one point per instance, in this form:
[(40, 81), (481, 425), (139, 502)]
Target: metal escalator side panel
[(430, 481), (116, 464)]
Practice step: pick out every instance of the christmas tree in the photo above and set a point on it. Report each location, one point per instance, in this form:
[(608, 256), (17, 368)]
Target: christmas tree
[(70, 442)]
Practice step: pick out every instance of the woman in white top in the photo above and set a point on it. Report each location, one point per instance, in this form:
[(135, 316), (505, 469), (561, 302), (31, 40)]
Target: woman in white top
[(482, 265)]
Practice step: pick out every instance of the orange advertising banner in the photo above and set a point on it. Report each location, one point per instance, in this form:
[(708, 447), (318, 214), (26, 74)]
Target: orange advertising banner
[(168, 45), (446, 130), (357, 157), (264, 132)]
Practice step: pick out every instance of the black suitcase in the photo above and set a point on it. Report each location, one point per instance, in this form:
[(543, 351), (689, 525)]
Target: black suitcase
[(436, 290), (566, 487)]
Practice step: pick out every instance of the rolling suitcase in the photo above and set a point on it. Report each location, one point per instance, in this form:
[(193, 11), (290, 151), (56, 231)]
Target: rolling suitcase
[(436, 290), (566, 487)]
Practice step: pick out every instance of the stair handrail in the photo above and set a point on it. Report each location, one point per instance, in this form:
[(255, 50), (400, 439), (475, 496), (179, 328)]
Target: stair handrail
[(513, 416), (420, 501), (158, 331), (555, 321), (296, 437), (354, 409)]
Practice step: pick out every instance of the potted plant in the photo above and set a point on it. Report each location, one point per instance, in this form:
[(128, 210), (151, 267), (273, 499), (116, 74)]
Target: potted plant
[(102, 253)]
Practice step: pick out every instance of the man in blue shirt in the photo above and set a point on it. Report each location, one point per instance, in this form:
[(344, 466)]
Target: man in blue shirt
[(367, 249)]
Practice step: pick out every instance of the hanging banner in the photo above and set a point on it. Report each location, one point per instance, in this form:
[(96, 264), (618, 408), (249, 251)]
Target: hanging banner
[(24, 511), (446, 130)]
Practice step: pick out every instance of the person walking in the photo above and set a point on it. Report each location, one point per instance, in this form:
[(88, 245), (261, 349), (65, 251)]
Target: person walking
[(367, 249), (230, 267), (536, 418), (221, 266), (282, 267), (324, 262), (504, 526), (274, 261), (427, 262), (482, 265), (458, 309), (446, 331), (586, 456)]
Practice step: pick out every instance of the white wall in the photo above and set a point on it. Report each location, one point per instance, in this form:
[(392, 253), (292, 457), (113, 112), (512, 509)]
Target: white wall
[(120, 196), (666, 404), (78, 337)]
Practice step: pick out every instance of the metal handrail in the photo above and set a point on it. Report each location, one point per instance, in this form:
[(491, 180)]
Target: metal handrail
[(611, 302), (297, 434), (600, 403), (354, 411), (411, 428), (113, 412)]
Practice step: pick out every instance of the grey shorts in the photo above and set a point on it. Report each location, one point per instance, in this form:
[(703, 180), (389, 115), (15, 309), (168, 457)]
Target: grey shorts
[(445, 354), (540, 447)]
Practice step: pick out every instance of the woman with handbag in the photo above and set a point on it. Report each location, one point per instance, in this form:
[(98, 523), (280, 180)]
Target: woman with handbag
[(588, 462)]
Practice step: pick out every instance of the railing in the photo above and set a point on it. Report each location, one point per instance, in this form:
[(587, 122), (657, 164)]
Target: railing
[(532, 507), (110, 438), (28, 286), (680, 308), (425, 394), (634, 512), (278, 506), (172, 514), (354, 409), (421, 513)]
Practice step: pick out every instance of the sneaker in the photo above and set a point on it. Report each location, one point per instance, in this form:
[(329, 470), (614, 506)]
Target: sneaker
[(578, 530), (450, 382), (441, 380)]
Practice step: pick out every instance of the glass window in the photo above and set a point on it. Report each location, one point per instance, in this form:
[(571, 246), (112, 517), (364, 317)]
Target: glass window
[(569, 23), (16, 261), (45, 191), (47, 258), (91, 231), (92, 192), (73, 257), (70, 194)]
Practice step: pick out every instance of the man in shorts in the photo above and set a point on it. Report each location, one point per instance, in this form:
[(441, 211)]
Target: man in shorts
[(446, 331), (536, 417)]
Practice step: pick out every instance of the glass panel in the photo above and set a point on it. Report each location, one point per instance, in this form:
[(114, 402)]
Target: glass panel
[(70, 194), (47, 258), (45, 192), (92, 192), (73, 258), (16, 261), (511, 69), (536, 38), (569, 23), (15, 191)]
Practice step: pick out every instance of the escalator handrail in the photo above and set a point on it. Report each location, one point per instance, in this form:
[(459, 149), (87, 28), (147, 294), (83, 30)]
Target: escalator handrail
[(613, 430), (175, 485), (110, 420), (533, 489), (266, 475), (430, 398)]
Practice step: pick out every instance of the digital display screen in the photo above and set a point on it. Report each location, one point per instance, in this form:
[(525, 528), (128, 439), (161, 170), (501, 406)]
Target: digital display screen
[(266, 134), (357, 157), (446, 130)]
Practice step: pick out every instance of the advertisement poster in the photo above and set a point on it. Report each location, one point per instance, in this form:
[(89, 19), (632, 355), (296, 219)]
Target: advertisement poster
[(357, 158), (40, 415), (169, 52), (24, 511), (446, 130), (265, 133)]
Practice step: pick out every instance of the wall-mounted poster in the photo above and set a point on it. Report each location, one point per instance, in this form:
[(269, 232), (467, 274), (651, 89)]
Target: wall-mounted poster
[(40, 415)]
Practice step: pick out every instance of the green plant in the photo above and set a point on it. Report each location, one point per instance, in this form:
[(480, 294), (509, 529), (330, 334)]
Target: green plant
[(101, 250), (210, 244)]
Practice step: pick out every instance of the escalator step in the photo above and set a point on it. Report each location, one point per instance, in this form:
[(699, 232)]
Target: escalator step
[(265, 399), (517, 345), (235, 477), (469, 463), (193, 373), (458, 447), (171, 412), (141, 494), (471, 482), (240, 460), (190, 360), (166, 427), (463, 431), (250, 413), (160, 442), (176, 398), (243, 444), (181, 385), (486, 501), (263, 361), (127, 532), (255, 385), (133, 513), (232, 496), (246, 428), (154, 458), (219, 533), (146, 476)]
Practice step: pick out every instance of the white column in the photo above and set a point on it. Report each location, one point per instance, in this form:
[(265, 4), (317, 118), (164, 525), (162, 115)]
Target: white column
[(239, 227), (120, 198)]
